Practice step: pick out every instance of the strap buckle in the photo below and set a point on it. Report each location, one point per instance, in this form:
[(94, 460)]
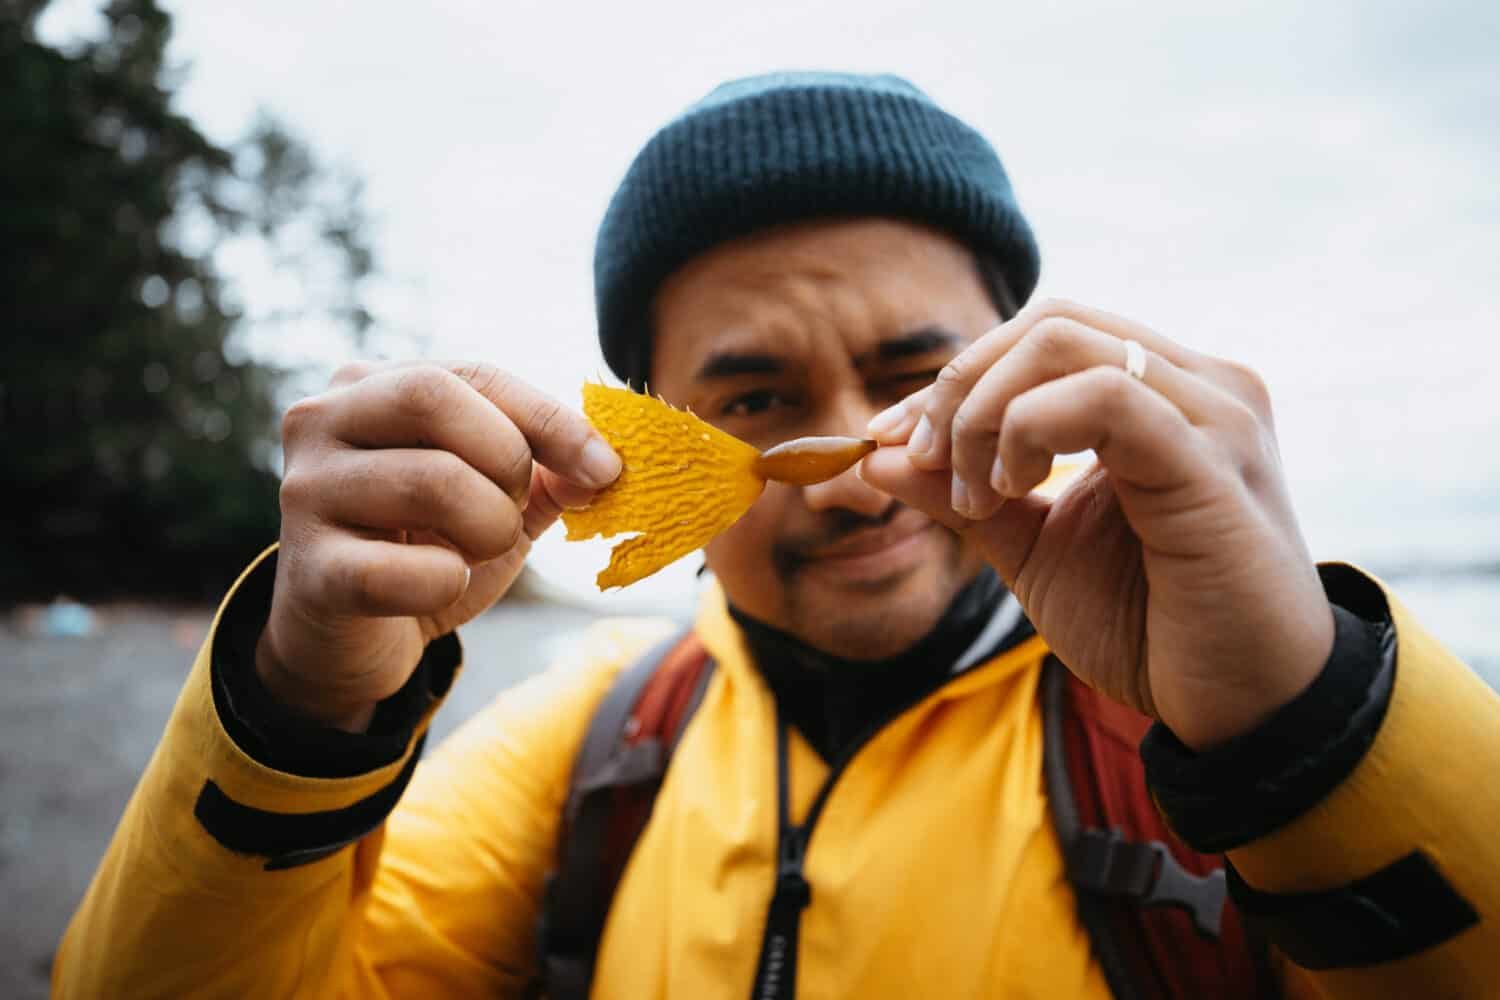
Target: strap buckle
[(1148, 874)]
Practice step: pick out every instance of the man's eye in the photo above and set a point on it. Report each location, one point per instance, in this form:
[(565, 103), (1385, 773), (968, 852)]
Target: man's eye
[(751, 403), (905, 384)]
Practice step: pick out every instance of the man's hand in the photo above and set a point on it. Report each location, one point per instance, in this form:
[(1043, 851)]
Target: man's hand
[(1171, 576), (411, 496)]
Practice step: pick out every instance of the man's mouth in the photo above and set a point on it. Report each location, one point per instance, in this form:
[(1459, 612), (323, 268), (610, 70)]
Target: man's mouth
[(867, 541), (874, 553)]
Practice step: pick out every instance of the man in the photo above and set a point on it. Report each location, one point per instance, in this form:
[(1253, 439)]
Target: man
[(808, 254)]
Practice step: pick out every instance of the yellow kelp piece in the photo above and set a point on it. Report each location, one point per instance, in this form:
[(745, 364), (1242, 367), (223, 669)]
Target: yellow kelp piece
[(684, 481)]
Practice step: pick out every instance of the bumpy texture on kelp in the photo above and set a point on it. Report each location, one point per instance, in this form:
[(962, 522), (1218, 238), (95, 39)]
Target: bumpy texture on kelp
[(684, 481)]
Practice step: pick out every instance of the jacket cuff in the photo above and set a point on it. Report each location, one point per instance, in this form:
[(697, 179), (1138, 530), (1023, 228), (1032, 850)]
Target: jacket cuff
[(248, 817), (282, 739), (1261, 781)]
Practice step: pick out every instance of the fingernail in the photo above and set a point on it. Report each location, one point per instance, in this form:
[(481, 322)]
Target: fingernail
[(886, 420), (600, 465), (960, 496), (921, 438), (997, 476)]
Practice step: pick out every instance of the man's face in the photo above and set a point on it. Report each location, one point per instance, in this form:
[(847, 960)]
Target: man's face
[(812, 330)]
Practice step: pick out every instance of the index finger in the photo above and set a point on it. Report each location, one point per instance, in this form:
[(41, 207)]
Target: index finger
[(959, 376), (562, 439), (489, 418)]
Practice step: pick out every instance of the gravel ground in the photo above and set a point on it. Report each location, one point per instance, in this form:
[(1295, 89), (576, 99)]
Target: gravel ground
[(79, 720)]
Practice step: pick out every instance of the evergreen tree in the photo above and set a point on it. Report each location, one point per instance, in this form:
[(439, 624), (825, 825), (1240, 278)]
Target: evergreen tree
[(140, 444)]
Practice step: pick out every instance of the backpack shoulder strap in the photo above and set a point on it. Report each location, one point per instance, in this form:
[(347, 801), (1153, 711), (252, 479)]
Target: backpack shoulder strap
[(616, 775), (1154, 909)]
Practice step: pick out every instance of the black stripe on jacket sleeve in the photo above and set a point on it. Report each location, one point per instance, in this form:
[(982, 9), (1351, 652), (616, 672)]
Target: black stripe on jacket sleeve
[(287, 840), (1404, 908)]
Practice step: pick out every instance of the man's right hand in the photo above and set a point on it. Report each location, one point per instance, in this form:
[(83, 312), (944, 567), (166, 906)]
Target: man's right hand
[(411, 496)]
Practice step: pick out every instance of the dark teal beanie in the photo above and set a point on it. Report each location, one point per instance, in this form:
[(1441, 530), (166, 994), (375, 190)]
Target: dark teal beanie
[(787, 147)]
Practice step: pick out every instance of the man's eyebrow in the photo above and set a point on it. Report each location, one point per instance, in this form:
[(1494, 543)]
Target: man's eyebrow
[(921, 341), (925, 340), (727, 364)]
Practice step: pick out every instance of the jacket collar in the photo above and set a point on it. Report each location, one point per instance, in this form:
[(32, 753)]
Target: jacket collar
[(726, 643)]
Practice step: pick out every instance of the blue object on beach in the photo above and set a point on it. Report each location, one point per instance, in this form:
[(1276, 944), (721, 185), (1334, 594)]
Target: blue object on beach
[(67, 618)]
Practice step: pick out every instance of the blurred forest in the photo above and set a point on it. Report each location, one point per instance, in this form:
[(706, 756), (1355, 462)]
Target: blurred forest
[(140, 436)]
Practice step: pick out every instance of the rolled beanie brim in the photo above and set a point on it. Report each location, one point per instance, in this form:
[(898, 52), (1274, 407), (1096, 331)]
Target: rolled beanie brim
[(773, 150)]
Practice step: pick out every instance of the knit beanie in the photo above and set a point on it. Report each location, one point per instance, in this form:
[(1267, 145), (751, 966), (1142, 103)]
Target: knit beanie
[(786, 147)]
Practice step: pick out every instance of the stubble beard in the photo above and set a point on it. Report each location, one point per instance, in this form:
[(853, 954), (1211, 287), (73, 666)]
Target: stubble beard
[(878, 620)]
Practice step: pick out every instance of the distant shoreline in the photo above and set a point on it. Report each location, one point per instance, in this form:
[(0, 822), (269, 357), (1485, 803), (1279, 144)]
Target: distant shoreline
[(1481, 569)]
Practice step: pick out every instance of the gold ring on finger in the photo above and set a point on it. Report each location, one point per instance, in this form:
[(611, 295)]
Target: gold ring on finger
[(1135, 360)]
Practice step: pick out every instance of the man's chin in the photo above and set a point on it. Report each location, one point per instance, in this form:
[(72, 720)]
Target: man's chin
[(870, 619), (865, 605), (868, 637)]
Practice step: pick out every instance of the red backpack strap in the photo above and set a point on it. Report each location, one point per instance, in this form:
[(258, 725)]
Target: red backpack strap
[(619, 768), (1154, 909)]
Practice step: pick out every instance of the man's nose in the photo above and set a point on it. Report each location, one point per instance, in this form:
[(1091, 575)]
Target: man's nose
[(847, 491)]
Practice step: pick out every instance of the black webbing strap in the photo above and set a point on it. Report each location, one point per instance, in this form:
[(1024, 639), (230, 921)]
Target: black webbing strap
[(575, 903), (602, 743), (1103, 866), (1093, 909)]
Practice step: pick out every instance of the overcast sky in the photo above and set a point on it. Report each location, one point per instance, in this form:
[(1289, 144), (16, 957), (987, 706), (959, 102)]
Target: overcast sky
[(1310, 188)]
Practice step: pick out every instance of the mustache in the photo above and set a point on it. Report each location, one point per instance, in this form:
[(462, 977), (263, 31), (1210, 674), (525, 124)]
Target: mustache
[(790, 553)]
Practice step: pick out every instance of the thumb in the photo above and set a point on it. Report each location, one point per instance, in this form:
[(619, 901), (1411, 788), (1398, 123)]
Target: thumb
[(890, 471), (550, 495), (1006, 537)]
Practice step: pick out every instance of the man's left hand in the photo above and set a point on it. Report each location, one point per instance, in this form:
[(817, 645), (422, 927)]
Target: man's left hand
[(1172, 575)]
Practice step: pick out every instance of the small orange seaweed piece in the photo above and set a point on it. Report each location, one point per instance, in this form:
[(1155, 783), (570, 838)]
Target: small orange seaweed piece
[(809, 460)]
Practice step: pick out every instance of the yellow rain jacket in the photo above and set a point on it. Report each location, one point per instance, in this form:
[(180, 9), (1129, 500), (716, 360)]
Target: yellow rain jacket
[(937, 871)]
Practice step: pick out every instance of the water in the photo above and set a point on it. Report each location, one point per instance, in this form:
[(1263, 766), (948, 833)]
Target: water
[(1463, 611)]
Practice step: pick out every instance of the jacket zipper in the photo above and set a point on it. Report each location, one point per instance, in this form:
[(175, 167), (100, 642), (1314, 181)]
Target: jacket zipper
[(776, 972)]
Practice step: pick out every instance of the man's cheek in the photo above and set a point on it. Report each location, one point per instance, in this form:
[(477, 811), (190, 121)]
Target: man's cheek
[(734, 551), (741, 556)]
